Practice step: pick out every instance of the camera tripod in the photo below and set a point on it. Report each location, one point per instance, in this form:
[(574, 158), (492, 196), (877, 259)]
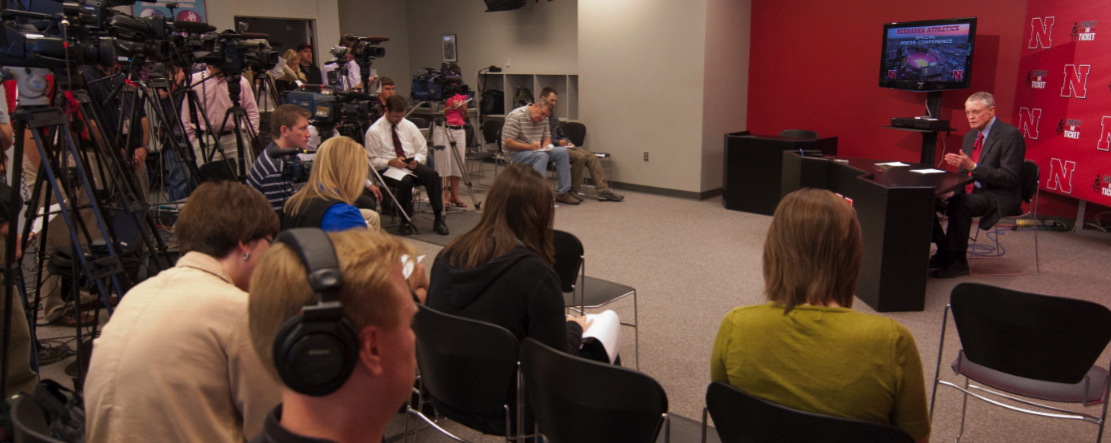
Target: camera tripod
[(238, 116), (193, 102), (440, 121)]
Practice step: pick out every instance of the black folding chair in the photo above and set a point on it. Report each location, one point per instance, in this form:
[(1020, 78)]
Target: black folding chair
[(491, 134), (576, 132), (1031, 175), (583, 401), (742, 418), (1029, 345), (581, 292), (800, 133), (29, 423), (470, 370)]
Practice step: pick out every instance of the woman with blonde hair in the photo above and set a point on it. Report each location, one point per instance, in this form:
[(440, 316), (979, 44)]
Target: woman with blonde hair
[(327, 201), (806, 348), (291, 72)]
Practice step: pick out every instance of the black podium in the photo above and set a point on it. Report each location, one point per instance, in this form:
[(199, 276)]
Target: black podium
[(895, 207), (753, 166)]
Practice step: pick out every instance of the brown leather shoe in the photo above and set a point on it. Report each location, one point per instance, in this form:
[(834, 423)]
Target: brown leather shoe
[(567, 198)]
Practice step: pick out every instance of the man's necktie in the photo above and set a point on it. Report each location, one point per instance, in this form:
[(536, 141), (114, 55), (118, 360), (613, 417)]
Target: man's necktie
[(976, 148), (397, 144)]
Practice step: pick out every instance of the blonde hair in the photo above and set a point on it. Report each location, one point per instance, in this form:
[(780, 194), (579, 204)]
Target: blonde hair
[(290, 56), (812, 253), (338, 172), (280, 287)]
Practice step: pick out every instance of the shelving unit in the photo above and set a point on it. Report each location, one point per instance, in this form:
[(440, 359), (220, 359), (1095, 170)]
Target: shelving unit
[(565, 85)]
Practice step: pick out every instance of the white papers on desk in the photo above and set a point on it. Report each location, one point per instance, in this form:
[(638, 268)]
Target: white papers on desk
[(37, 225), (892, 164), (928, 171), (397, 174), (407, 265), (605, 328)]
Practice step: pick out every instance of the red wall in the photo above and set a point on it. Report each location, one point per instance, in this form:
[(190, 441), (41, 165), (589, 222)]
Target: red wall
[(814, 64)]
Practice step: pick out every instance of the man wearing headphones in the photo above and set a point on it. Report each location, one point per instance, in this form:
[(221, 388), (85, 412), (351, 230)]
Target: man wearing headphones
[(330, 318)]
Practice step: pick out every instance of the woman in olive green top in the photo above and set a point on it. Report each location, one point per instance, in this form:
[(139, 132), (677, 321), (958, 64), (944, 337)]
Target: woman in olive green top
[(805, 348)]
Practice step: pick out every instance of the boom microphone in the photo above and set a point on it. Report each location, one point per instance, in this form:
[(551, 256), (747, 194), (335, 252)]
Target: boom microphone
[(193, 27)]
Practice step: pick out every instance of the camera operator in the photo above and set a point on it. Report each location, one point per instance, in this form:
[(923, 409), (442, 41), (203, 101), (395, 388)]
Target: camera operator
[(101, 80), (271, 174), (311, 72), (212, 90), (353, 80)]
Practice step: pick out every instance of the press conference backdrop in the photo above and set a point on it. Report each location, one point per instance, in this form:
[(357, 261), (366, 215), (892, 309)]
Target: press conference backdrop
[(1063, 101)]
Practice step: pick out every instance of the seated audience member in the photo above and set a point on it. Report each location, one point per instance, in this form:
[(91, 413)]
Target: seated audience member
[(527, 136), (806, 348), (394, 141), (501, 271), (327, 201), (376, 301), (291, 72), (175, 362), (580, 159), (271, 175)]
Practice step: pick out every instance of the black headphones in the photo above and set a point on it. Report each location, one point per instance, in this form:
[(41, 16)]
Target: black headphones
[(316, 350)]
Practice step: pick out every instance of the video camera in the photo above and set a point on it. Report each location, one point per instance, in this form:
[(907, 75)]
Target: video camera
[(436, 86), (233, 52), (349, 112)]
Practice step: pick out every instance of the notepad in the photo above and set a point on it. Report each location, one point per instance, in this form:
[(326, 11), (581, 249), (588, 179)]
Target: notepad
[(397, 173), (605, 328), (407, 266), (928, 171)]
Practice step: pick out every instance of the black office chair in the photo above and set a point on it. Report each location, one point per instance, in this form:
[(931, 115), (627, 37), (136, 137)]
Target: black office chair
[(491, 134), (583, 401), (1029, 179), (476, 153), (581, 292), (470, 370), (1030, 345), (421, 122), (743, 418), (29, 423), (800, 133)]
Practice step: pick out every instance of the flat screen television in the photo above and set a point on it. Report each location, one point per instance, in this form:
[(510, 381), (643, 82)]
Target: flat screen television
[(929, 55)]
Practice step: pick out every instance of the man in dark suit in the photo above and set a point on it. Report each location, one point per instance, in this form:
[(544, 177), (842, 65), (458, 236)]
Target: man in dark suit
[(993, 153)]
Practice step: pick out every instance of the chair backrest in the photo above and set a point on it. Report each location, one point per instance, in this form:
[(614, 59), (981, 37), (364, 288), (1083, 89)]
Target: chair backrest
[(740, 417), (421, 122), (574, 131), (466, 364), (490, 130), (1030, 335), (1031, 175), (568, 259), (800, 133), (29, 423), (583, 401)]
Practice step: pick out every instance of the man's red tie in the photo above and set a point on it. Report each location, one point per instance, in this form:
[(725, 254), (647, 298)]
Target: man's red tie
[(976, 148), (401, 152)]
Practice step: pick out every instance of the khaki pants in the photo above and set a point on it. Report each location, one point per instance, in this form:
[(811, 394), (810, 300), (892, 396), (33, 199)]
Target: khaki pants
[(581, 160), (20, 376), (372, 218)]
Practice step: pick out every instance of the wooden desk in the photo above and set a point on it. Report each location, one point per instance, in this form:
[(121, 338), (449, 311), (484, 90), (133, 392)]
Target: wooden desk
[(895, 208)]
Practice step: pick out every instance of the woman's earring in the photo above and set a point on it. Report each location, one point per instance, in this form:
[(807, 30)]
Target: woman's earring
[(246, 256)]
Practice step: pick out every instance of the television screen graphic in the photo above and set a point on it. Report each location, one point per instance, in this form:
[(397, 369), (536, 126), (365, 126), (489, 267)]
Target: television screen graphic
[(927, 56)]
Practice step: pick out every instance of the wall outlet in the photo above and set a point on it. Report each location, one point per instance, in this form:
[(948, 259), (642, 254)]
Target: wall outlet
[(507, 62), (645, 156)]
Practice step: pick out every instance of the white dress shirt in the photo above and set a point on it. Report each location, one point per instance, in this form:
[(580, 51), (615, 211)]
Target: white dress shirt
[(379, 142), (353, 74)]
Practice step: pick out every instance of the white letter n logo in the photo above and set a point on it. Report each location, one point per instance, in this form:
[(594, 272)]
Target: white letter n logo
[(1076, 81), (1060, 175), (1028, 120), (1041, 32)]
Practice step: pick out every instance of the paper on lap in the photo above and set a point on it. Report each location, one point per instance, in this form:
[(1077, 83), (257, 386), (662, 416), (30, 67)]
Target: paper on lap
[(606, 329), (397, 173), (407, 265)]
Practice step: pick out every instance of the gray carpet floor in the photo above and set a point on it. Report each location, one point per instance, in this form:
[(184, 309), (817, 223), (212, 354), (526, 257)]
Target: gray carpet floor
[(693, 261)]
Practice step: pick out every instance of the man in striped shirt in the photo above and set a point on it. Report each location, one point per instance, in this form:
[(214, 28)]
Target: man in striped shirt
[(527, 135), (290, 126)]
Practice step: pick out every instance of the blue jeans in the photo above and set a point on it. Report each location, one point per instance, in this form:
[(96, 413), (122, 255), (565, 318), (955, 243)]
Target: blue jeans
[(539, 161), (178, 181)]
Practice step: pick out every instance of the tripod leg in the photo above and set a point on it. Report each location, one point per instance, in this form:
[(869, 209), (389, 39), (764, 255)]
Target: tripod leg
[(462, 169), (394, 199)]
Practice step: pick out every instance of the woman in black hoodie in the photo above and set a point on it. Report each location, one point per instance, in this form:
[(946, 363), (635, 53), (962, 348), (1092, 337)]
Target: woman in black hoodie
[(501, 272)]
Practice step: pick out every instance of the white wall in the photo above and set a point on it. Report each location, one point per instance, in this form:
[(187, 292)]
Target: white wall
[(725, 97), (221, 14), (641, 87), (543, 40), (385, 18)]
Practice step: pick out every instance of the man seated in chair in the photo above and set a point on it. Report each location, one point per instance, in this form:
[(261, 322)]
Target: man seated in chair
[(377, 303), (993, 153), (527, 136), (395, 142), (580, 158)]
